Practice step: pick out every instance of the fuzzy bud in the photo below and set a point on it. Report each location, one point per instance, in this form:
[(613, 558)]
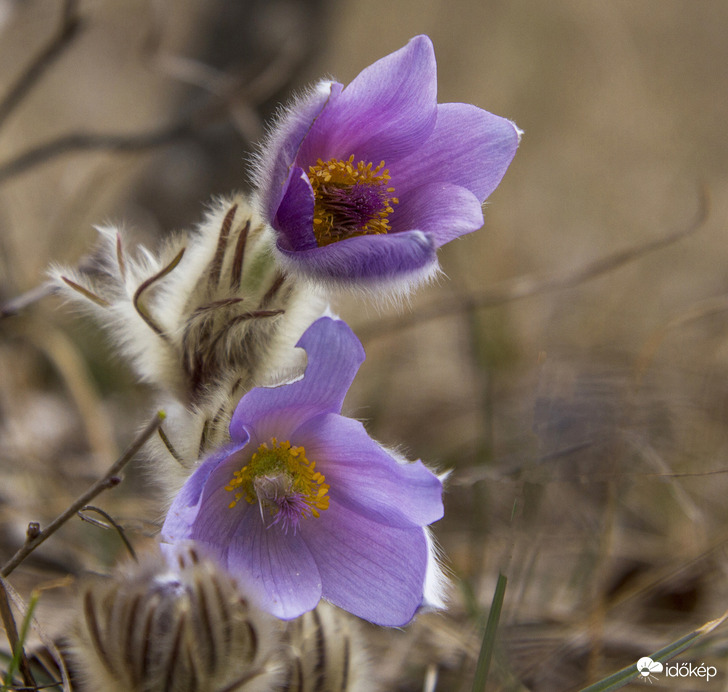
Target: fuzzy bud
[(180, 624), (205, 318), (327, 653)]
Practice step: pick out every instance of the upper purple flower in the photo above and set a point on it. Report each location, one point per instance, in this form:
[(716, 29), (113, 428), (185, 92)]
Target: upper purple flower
[(364, 183), (305, 505)]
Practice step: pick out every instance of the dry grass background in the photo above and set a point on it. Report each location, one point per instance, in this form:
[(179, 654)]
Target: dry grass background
[(585, 423)]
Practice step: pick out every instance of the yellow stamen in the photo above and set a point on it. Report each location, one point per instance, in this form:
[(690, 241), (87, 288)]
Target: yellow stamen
[(277, 472), (350, 199)]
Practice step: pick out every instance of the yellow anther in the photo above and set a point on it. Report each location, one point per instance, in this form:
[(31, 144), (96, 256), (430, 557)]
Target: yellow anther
[(350, 199), (278, 472)]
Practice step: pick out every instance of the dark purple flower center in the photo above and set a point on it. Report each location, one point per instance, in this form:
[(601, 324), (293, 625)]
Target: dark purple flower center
[(282, 481), (350, 199)]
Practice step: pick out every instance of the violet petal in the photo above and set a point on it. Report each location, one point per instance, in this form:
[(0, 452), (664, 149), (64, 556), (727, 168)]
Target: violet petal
[(186, 504), (284, 142), (444, 210), (279, 565), (387, 256), (374, 571), (386, 112), (365, 478), (334, 356), (276, 564), (294, 218), (469, 147)]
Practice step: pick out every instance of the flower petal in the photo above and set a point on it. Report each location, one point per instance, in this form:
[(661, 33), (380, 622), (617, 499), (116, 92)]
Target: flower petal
[(294, 218), (444, 210), (186, 504), (374, 571), (371, 257), (284, 142), (334, 356), (469, 147), (279, 565), (386, 112), (365, 478)]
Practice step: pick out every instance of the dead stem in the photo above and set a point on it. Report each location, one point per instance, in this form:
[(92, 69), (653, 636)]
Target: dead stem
[(67, 30), (85, 141), (109, 480), (186, 126), (112, 523), (527, 286), (16, 305)]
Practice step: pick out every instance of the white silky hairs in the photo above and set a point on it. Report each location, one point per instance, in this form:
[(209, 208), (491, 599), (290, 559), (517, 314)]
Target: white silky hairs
[(205, 318)]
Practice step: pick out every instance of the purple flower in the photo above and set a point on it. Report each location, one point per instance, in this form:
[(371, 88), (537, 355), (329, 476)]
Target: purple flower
[(305, 505), (363, 184)]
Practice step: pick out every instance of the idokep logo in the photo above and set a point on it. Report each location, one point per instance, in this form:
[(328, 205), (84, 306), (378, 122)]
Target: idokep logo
[(648, 670), (647, 667)]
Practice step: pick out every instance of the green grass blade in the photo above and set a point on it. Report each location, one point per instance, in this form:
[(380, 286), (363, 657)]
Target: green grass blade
[(486, 649), (630, 673), (23, 635)]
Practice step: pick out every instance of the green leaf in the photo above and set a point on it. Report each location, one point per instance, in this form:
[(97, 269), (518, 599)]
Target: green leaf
[(486, 649)]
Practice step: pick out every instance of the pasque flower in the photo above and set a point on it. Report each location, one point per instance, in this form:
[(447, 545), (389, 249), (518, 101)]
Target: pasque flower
[(306, 505), (363, 183)]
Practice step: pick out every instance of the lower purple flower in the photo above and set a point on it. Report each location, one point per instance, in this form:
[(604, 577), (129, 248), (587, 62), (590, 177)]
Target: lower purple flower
[(305, 505)]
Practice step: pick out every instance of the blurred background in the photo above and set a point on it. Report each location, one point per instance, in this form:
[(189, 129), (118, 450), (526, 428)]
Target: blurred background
[(571, 368)]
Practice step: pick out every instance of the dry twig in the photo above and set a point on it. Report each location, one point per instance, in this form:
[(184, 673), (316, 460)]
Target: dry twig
[(109, 480), (112, 524), (527, 286), (67, 30), (16, 305)]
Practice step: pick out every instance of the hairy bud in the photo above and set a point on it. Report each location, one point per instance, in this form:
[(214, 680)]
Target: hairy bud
[(205, 318), (180, 624), (327, 653)]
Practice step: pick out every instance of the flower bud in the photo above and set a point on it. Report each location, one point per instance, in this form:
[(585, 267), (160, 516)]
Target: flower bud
[(327, 653), (175, 624), (209, 310)]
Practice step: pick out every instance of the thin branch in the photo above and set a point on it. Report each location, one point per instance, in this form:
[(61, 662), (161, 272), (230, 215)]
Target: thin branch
[(83, 141), (170, 447), (525, 287), (109, 480), (709, 307), (66, 32), (197, 118), (112, 524), (15, 305), (225, 101)]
